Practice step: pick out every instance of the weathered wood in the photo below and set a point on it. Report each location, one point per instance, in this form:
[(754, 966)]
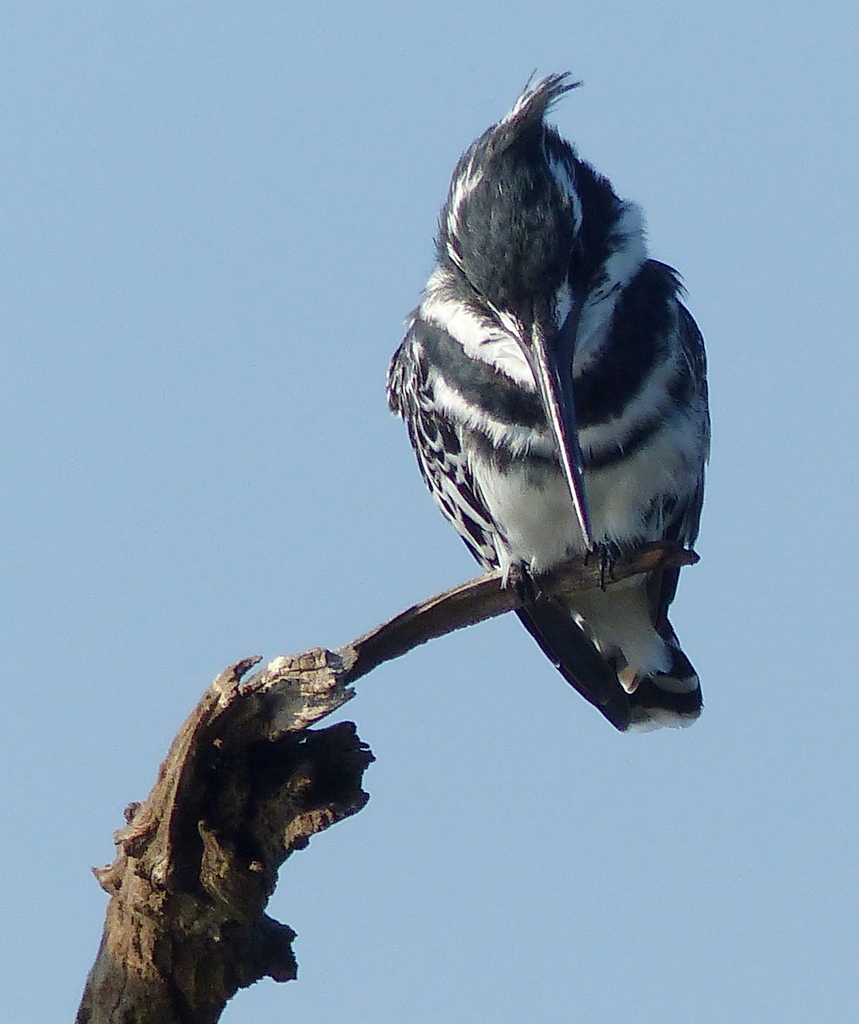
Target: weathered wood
[(245, 783)]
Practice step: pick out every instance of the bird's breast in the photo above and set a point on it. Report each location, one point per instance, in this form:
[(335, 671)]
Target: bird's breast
[(529, 500)]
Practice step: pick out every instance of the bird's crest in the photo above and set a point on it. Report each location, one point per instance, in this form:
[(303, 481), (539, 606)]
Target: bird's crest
[(529, 110), (538, 98)]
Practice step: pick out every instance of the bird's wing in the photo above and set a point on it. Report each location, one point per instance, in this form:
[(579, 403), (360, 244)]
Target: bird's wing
[(682, 519), (438, 447)]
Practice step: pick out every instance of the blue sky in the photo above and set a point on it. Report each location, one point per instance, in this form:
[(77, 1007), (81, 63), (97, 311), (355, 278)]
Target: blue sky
[(215, 219)]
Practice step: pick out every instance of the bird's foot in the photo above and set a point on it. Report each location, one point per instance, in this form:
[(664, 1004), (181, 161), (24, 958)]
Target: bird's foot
[(607, 554), (518, 576)]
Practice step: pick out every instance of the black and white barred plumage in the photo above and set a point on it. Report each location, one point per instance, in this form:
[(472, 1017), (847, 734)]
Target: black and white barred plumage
[(554, 389)]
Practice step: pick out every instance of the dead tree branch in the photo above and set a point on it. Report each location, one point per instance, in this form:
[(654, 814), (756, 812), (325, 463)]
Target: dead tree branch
[(486, 597), (246, 783)]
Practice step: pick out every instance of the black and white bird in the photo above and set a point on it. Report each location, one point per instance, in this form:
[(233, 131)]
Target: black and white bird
[(554, 388)]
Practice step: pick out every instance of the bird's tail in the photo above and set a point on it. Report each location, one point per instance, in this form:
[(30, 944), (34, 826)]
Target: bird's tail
[(575, 657), (671, 698)]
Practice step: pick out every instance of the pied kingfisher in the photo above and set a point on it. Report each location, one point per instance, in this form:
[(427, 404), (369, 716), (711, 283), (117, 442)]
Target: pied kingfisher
[(554, 388)]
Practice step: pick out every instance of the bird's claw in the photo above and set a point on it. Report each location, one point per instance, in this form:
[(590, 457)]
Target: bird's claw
[(518, 577), (607, 555)]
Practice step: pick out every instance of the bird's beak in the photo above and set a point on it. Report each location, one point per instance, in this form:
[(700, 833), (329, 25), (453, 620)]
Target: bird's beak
[(552, 366)]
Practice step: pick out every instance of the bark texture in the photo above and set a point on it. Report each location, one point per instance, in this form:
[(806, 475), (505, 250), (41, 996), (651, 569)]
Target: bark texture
[(244, 785), (246, 782)]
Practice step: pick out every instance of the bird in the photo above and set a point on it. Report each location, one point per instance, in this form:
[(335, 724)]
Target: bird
[(554, 388)]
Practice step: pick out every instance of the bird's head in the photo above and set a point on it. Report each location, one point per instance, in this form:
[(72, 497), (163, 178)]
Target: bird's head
[(509, 230)]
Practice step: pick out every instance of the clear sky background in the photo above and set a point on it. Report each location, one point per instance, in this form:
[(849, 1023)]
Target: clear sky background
[(215, 218)]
